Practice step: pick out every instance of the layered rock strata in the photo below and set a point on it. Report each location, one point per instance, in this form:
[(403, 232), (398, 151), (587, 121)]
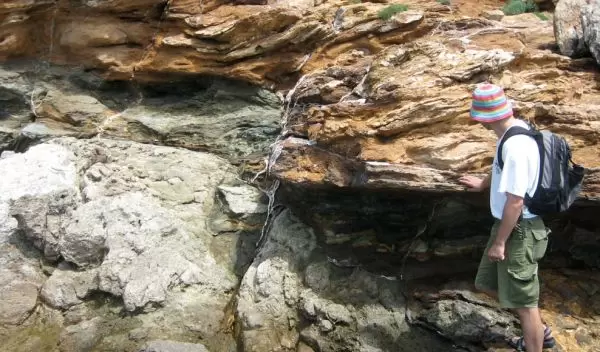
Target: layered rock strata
[(110, 244)]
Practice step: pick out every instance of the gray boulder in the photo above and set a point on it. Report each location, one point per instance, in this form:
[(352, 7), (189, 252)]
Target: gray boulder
[(590, 21), (292, 296), (568, 29), (468, 322), (270, 289), (42, 186), (127, 222), (132, 226), (82, 336), (68, 287)]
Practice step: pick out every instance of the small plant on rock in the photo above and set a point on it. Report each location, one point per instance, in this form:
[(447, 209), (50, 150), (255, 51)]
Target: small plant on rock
[(541, 16), (444, 2), (517, 7), (387, 13)]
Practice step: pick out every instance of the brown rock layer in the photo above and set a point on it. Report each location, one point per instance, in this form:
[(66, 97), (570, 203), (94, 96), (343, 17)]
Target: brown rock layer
[(398, 119), (266, 44)]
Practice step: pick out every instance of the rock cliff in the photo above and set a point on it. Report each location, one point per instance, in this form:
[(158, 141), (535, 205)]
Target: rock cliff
[(132, 216)]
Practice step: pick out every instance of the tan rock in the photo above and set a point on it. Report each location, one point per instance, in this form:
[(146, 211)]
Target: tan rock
[(494, 15), (101, 32), (412, 130), (80, 111)]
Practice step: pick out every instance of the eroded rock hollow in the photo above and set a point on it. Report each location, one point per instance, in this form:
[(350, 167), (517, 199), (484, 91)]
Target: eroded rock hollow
[(278, 175)]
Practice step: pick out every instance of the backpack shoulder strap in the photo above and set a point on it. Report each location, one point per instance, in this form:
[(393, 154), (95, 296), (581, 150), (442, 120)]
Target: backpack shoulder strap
[(513, 131)]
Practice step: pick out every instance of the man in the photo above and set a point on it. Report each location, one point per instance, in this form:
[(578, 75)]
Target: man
[(509, 267)]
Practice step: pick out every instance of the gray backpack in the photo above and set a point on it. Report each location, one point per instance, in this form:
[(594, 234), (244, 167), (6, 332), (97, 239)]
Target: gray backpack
[(560, 178)]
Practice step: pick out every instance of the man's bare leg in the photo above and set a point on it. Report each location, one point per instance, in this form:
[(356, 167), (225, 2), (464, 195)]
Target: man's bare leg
[(541, 328), (533, 329)]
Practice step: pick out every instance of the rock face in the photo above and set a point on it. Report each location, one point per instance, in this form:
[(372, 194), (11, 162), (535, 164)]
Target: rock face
[(124, 219), (112, 238), (390, 133), (293, 294), (230, 119), (229, 39), (568, 27), (590, 22)]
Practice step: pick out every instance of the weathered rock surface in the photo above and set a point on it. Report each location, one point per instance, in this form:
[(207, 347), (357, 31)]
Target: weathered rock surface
[(292, 293), (262, 44), (404, 125), (568, 28), (21, 275), (231, 119), (21, 279), (454, 311), (129, 220), (590, 23), (364, 97), (376, 132), (40, 174), (494, 15)]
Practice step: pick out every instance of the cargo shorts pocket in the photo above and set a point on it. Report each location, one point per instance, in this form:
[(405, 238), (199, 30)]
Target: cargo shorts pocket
[(524, 272), (522, 249), (539, 243), (523, 286)]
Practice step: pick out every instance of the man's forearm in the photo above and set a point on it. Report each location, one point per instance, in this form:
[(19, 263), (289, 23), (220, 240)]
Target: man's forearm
[(510, 216)]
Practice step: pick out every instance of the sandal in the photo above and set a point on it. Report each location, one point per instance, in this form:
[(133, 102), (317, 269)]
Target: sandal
[(519, 345), (549, 341)]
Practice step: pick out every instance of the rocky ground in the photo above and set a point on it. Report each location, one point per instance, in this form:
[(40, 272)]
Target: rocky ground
[(131, 133)]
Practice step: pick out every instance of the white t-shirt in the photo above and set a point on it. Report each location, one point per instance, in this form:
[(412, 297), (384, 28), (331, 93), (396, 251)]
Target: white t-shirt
[(520, 173)]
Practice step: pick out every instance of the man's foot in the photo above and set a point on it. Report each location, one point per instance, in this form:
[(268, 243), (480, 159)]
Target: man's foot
[(518, 343)]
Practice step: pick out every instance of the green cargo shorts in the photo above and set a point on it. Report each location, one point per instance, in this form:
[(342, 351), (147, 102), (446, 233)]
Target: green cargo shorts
[(515, 279)]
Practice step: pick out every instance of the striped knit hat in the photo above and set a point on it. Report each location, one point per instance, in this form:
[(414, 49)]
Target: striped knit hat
[(490, 104)]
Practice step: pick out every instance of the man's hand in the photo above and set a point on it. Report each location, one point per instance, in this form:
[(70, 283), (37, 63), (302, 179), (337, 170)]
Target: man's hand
[(474, 184), (496, 253)]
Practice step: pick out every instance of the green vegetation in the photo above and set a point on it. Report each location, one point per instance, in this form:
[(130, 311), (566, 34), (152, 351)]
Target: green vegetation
[(355, 1), (444, 2), (541, 16), (387, 13), (517, 7)]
